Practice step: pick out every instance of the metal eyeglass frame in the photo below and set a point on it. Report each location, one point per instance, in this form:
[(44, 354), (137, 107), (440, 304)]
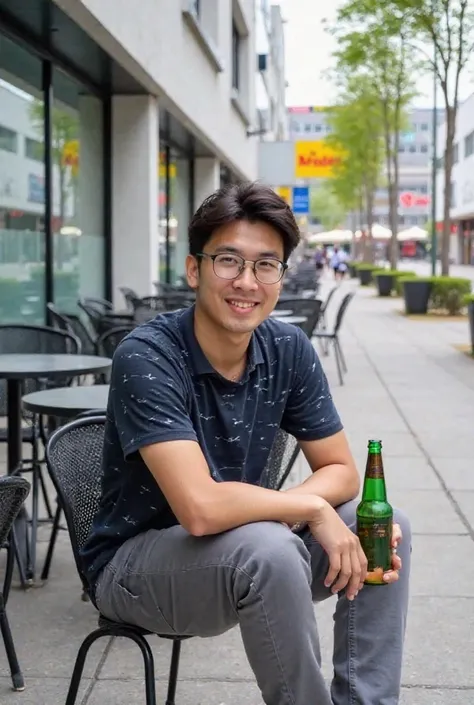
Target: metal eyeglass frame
[(253, 262)]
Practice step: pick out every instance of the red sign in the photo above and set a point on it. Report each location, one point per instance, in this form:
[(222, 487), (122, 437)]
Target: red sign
[(410, 200), (453, 227)]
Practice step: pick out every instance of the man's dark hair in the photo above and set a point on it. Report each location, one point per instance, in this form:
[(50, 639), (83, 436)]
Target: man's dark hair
[(254, 202)]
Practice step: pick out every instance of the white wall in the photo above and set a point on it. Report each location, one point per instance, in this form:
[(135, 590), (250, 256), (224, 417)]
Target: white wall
[(463, 171), (155, 43)]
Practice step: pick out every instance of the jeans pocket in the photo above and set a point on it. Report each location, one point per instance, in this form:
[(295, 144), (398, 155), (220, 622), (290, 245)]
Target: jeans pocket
[(133, 602)]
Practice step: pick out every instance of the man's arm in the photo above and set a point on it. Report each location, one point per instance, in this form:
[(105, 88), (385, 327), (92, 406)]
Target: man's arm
[(334, 474), (203, 506)]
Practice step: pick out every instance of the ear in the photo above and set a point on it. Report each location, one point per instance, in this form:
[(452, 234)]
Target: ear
[(192, 271)]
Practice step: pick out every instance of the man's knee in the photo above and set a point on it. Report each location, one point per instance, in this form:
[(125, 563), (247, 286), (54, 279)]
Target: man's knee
[(270, 551)]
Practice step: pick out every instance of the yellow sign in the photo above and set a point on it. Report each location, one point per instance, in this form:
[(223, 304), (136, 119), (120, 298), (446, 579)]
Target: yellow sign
[(285, 193), (70, 156), (315, 160)]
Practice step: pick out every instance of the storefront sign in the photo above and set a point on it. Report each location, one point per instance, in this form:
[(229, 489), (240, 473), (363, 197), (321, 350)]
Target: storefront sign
[(315, 160), (285, 193), (301, 200), (35, 188), (414, 200)]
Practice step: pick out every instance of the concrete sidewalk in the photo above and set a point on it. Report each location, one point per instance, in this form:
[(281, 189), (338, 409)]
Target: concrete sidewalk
[(408, 385)]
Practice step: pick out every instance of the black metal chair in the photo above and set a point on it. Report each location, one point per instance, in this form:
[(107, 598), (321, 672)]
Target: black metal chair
[(323, 322), (333, 336), (101, 304), (74, 457), (13, 492), (108, 341), (310, 308), (34, 339)]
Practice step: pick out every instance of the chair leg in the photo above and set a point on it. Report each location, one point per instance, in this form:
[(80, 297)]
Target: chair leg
[(7, 582), (148, 662), (338, 362), (173, 677), (52, 543), (79, 665), (44, 491), (343, 361), (16, 674)]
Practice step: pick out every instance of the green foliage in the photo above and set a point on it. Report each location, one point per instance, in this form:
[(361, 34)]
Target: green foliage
[(326, 206), (410, 276), (365, 267), (448, 293), (468, 299)]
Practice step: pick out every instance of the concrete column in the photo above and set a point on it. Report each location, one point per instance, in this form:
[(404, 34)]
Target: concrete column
[(90, 217), (135, 257), (207, 178)]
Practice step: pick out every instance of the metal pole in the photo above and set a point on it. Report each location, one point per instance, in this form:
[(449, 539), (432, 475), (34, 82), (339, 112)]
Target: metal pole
[(434, 234)]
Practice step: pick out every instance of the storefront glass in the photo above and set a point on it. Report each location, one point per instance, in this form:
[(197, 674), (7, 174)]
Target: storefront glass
[(73, 236)]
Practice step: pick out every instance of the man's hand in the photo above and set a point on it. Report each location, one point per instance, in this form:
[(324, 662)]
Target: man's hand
[(392, 576), (347, 561)]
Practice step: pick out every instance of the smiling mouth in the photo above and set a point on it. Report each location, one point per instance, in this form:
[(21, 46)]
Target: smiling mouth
[(242, 305)]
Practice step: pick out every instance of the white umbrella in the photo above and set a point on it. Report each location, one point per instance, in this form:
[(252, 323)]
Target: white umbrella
[(379, 232), (414, 233), (330, 237)]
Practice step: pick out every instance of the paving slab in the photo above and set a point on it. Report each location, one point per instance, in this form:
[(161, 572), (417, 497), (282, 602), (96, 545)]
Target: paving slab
[(40, 691), (456, 473)]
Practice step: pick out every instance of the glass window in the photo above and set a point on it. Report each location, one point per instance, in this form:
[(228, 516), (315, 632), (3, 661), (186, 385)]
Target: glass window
[(235, 57), (22, 194), (78, 193), (34, 149), (424, 148), (179, 213), (8, 139)]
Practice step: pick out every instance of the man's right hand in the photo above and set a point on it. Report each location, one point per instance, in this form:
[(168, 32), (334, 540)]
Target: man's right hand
[(347, 561)]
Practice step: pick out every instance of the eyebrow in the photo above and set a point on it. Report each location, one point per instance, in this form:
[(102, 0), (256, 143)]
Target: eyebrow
[(235, 250)]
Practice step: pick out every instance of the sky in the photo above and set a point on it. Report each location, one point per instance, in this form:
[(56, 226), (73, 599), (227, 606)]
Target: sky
[(308, 54)]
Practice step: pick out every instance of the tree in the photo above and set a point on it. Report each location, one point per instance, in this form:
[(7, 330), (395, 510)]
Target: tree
[(355, 123), (373, 43), (448, 27), (327, 207)]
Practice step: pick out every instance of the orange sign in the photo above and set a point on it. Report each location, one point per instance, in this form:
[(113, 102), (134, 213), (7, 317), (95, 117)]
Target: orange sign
[(315, 160), (70, 156)]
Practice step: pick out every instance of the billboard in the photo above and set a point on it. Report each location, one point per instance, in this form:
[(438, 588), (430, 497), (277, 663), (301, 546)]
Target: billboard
[(285, 193), (315, 160)]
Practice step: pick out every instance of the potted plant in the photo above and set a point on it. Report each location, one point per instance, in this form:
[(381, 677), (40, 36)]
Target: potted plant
[(398, 283), (469, 301), (353, 266), (385, 280), (416, 293), (364, 272)]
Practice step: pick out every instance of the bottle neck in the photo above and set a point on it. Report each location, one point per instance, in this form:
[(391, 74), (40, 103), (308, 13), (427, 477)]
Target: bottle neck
[(374, 481)]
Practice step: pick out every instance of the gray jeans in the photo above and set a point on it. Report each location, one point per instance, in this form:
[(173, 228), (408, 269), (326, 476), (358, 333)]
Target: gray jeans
[(265, 578)]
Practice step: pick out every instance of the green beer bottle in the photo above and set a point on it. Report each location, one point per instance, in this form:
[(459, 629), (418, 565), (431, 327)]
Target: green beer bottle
[(374, 518)]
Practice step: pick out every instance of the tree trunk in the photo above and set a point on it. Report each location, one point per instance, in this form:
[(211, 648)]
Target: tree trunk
[(394, 209), (369, 248), (448, 169)]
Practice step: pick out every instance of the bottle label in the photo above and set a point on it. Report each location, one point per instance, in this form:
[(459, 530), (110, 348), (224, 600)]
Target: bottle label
[(375, 537), (374, 471)]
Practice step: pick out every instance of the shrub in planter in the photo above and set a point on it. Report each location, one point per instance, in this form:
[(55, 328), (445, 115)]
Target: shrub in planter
[(416, 293), (364, 272), (385, 280), (352, 266), (469, 302), (448, 293)]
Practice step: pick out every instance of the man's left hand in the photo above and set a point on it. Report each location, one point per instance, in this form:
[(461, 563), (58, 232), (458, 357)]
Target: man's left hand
[(391, 576)]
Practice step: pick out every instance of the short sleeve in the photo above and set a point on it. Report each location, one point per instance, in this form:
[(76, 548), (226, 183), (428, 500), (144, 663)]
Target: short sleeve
[(310, 413), (148, 397)]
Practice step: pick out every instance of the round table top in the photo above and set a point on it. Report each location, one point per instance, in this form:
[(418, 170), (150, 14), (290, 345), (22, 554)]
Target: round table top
[(21, 365), (67, 401), (281, 312), (291, 319)]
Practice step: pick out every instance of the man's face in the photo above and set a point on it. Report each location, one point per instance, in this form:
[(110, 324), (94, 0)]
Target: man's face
[(238, 305)]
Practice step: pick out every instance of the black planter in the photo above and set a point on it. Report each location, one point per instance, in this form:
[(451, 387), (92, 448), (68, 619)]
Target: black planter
[(365, 276), (385, 283), (470, 313), (353, 271), (416, 295)]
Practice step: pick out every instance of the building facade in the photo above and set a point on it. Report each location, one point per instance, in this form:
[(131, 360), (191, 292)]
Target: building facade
[(462, 185), (307, 129), (115, 122), (271, 79)]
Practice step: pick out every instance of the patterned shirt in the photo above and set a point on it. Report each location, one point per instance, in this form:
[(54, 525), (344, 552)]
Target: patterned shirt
[(163, 388)]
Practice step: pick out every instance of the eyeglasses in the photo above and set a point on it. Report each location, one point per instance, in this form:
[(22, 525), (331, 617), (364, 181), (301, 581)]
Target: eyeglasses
[(230, 266)]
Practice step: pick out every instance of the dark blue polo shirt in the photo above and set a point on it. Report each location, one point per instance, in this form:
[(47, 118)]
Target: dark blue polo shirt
[(163, 388)]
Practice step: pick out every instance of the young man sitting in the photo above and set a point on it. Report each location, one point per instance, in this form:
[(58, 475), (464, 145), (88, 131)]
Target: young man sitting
[(186, 540)]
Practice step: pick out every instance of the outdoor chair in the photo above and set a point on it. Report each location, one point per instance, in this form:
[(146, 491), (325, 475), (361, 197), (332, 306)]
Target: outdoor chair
[(74, 458), (71, 323), (108, 341), (333, 336), (34, 339), (13, 492), (323, 321), (310, 308)]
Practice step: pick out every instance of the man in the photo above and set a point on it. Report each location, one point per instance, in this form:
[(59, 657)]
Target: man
[(186, 541)]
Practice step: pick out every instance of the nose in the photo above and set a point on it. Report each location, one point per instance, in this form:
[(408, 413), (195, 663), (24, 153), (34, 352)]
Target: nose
[(246, 279)]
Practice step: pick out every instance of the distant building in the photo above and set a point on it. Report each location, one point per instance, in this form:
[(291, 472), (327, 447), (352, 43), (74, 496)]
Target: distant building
[(271, 81), (462, 185)]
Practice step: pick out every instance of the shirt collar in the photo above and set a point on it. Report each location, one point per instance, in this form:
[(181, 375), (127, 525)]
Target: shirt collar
[(198, 362)]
